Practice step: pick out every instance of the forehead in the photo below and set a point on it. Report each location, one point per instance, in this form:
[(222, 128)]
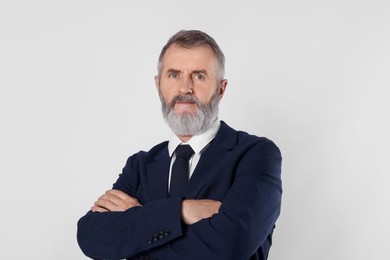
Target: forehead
[(199, 57)]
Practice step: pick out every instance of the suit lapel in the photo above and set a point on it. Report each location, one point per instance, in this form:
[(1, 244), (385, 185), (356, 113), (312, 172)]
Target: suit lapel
[(224, 141), (157, 176)]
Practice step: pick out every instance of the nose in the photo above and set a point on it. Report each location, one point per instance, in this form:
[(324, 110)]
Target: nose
[(186, 86)]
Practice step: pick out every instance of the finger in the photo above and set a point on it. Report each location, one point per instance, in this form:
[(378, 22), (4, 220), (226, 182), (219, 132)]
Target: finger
[(98, 209), (120, 194), (113, 198), (106, 203), (122, 199)]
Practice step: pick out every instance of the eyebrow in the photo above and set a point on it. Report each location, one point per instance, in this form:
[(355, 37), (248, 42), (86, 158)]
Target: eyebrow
[(200, 71), (171, 70)]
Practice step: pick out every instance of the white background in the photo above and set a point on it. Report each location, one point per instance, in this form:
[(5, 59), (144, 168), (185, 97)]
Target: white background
[(77, 98)]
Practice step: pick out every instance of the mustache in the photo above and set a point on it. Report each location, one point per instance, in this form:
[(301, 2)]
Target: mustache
[(184, 98)]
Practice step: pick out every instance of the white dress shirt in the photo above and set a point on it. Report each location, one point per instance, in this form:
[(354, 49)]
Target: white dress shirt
[(198, 143)]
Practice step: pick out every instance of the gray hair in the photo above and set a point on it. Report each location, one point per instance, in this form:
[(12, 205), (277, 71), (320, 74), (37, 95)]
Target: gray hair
[(193, 38)]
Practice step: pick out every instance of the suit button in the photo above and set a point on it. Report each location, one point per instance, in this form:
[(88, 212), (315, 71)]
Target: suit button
[(167, 232), (150, 240), (155, 238), (161, 234)]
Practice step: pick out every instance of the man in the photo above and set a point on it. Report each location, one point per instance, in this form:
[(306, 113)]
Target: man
[(219, 201)]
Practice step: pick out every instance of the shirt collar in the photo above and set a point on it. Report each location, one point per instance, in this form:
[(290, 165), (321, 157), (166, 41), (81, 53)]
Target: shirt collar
[(197, 142)]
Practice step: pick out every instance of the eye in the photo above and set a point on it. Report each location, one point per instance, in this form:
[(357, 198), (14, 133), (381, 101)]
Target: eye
[(199, 76), (173, 75)]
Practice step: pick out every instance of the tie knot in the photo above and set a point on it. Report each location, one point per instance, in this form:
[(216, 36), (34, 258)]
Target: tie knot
[(184, 151)]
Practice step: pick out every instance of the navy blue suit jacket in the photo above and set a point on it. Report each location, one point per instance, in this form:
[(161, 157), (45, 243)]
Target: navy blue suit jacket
[(240, 170)]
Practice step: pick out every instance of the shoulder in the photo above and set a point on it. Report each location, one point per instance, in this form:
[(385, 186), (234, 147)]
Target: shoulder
[(261, 144), (243, 141)]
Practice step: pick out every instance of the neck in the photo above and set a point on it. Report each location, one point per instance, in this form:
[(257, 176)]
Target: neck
[(184, 138)]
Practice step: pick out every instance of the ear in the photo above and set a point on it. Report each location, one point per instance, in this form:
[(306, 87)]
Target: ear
[(222, 88), (157, 82)]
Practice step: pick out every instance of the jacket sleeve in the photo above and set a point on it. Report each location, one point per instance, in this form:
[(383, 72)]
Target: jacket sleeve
[(245, 219), (118, 235)]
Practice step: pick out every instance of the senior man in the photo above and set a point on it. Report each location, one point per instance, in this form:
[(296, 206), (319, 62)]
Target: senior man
[(209, 193)]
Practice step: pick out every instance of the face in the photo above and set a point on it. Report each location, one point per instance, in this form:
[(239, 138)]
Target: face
[(189, 87)]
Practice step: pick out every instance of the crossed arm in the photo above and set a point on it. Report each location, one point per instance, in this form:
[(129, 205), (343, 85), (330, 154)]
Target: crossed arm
[(191, 210), (247, 214)]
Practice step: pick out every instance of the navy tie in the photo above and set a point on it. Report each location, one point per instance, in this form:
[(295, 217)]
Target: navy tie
[(180, 170)]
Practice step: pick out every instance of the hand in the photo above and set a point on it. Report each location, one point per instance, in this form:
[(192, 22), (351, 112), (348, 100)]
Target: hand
[(194, 210), (114, 200)]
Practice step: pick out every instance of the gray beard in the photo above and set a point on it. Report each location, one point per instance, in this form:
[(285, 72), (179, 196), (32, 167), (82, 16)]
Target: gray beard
[(190, 124)]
